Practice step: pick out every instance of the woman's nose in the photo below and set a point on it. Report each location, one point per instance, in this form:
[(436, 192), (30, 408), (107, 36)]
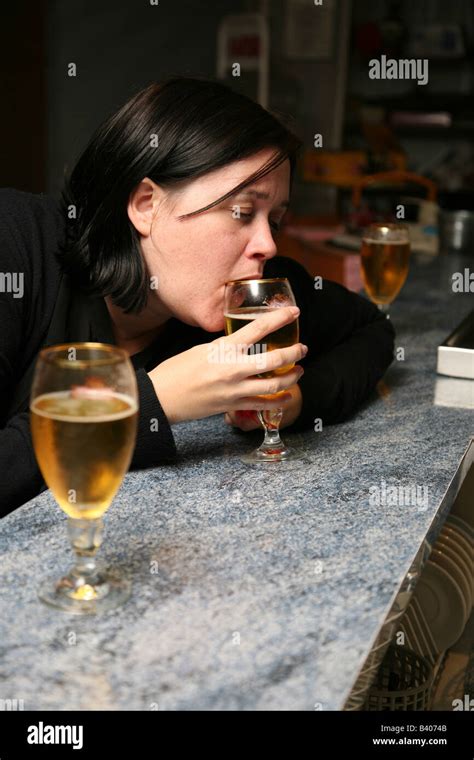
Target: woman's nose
[(262, 241)]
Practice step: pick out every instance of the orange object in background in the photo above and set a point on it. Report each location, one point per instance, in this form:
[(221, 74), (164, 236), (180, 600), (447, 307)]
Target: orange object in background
[(385, 179), (345, 167), (321, 260), (361, 214)]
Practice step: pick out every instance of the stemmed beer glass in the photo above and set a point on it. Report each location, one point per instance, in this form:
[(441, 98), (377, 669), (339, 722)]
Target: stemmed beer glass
[(385, 254), (246, 300), (84, 409)]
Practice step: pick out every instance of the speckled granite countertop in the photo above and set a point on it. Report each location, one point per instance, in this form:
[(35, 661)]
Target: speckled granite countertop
[(267, 592)]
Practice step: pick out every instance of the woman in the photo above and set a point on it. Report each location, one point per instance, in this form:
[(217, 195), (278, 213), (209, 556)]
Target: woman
[(180, 191)]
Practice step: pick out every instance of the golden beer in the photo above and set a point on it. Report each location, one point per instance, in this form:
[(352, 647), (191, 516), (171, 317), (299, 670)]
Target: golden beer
[(83, 447), (285, 336), (384, 268)]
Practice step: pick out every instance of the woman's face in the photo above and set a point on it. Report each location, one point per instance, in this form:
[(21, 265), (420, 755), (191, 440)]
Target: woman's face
[(193, 258)]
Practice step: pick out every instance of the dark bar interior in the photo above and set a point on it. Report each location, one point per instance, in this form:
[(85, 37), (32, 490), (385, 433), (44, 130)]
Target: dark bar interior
[(237, 362)]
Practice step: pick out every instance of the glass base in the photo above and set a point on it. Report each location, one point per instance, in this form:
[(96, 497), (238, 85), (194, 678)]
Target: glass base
[(263, 456), (72, 594)]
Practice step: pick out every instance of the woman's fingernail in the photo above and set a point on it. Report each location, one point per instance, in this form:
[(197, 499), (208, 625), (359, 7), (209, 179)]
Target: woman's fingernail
[(295, 310), (305, 349)]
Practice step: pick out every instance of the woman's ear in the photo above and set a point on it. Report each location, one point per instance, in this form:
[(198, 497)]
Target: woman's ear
[(143, 204)]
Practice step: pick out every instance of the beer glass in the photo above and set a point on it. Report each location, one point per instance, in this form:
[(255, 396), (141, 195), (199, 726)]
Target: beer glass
[(384, 256), (84, 410), (244, 301)]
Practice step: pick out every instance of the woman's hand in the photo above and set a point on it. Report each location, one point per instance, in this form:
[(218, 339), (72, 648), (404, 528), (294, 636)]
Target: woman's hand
[(248, 420), (217, 377)]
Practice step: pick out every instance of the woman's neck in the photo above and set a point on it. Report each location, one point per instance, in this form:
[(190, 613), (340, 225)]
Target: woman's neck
[(134, 332)]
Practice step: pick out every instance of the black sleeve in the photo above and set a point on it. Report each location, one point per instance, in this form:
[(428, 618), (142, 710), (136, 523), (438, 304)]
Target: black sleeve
[(25, 232), (20, 476), (155, 442), (22, 479), (350, 347)]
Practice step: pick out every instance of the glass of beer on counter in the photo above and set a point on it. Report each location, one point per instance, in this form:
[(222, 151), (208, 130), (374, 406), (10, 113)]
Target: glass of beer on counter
[(246, 300), (84, 411), (385, 255)]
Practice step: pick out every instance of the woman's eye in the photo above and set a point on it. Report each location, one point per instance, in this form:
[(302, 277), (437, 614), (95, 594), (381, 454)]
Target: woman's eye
[(238, 213), (274, 225)]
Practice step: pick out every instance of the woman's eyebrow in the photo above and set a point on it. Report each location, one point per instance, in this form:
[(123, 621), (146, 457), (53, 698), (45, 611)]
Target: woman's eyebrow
[(262, 196)]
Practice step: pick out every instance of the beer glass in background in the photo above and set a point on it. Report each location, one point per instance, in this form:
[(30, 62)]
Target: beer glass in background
[(385, 254), (246, 300), (84, 410)]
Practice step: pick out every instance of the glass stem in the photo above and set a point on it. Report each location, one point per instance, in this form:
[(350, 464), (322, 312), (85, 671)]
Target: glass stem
[(86, 538), (270, 420)]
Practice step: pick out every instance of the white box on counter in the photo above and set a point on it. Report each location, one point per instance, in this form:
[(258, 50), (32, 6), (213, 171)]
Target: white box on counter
[(456, 353)]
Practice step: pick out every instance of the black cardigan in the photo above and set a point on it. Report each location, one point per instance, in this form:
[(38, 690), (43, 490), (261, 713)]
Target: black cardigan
[(350, 342)]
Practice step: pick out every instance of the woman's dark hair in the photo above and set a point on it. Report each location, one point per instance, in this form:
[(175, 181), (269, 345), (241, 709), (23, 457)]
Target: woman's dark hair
[(170, 132)]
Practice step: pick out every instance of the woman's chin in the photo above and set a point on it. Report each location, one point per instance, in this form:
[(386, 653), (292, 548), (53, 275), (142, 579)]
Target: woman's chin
[(213, 324)]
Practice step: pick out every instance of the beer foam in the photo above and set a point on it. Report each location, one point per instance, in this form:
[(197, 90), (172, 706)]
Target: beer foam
[(246, 315), (66, 395)]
